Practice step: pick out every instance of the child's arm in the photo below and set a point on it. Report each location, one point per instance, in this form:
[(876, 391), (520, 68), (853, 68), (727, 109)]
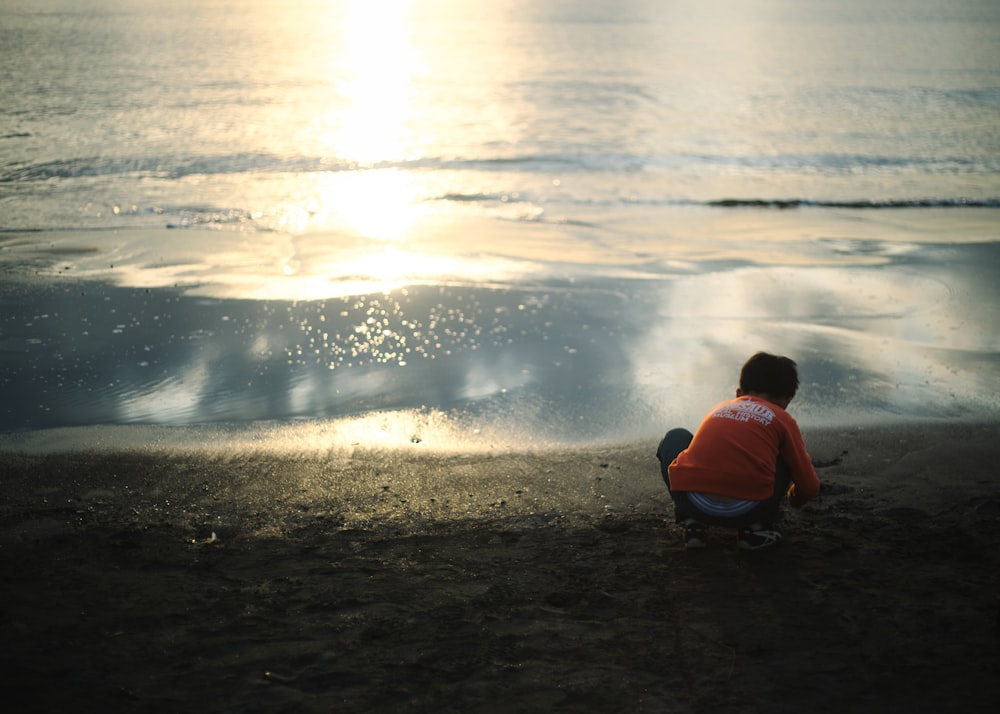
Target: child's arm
[(805, 482)]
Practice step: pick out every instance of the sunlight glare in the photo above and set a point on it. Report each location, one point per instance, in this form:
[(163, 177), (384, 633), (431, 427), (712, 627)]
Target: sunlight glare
[(367, 127), (382, 204), (374, 79)]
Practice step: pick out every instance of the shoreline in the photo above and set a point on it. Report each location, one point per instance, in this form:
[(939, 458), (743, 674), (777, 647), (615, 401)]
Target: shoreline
[(883, 597), (478, 477), (408, 489)]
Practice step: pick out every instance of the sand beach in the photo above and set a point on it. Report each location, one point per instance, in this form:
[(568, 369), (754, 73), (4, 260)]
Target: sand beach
[(177, 582)]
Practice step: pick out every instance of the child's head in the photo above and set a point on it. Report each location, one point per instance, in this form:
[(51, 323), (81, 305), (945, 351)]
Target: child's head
[(769, 374)]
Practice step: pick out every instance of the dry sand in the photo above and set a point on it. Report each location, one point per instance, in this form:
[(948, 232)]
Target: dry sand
[(115, 597)]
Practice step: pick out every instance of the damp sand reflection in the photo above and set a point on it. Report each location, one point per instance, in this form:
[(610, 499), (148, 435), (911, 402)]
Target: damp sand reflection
[(536, 357)]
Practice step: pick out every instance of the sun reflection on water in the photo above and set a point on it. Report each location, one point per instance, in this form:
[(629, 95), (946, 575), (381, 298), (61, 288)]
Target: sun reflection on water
[(366, 127), (381, 204), (375, 220), (374, 79)]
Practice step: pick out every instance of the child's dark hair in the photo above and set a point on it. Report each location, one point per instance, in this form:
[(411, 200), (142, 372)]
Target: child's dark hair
[(770, 374)]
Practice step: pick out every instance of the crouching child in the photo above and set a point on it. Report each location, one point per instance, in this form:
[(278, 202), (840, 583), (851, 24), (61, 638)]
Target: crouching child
[(745, 459)]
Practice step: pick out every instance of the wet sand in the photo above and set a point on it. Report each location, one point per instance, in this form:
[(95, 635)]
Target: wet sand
[(384, 597), (576, 353)]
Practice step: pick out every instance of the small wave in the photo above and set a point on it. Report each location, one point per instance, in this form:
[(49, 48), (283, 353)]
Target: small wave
[(78, 168), (557, 163), (169, 167), (177, 167), (830, 163), (205, 217), (468, 197), (862, 204), (180, 167), (624, 162), (512, 197)]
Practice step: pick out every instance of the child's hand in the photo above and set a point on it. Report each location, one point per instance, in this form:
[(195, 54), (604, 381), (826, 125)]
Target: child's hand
[(794, 500)]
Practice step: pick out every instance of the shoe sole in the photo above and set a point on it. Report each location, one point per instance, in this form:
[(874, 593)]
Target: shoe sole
[(772, 539)]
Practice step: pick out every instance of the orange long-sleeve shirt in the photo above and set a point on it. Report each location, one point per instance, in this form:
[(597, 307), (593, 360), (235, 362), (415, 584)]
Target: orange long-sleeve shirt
[(735, 450)]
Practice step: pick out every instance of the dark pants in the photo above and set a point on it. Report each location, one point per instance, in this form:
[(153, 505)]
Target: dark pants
[(765, 512)]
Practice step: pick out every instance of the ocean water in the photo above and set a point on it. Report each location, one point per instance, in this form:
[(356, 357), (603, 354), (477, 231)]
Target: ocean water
[(463, 225)]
